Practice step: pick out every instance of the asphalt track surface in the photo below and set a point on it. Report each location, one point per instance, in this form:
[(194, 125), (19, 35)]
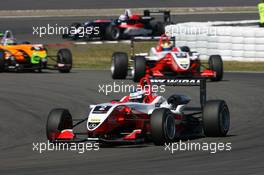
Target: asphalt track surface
[(93, 4), (23, 27), (27, 98)]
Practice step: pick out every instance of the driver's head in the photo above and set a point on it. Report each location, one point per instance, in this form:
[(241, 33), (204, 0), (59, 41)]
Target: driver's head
[(137, 96), (8, 38), (166, 46), (123, 18)]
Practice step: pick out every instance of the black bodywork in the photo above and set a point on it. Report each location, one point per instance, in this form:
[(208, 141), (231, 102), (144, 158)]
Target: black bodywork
[(110, 29)]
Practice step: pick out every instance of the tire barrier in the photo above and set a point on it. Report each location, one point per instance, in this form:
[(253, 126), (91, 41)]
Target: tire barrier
[(234, 40)]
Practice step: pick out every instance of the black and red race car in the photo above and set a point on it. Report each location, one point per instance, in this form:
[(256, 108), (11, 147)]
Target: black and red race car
[(144, 116), (165, 60), (126, 26)]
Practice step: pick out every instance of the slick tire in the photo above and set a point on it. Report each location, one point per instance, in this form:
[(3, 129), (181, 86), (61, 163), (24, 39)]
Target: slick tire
[(119, 65), (58, 120), (112, 33), (139, 68), (163, 126), (158, 28), (185, 49), (64, 56), (216, 118), (216, 64)]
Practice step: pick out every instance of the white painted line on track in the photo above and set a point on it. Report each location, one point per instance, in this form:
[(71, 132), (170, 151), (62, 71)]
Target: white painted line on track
[(102, 42)]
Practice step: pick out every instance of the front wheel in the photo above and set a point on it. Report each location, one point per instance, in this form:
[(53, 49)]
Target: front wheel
[(216, 64), (58, 120), (163, 126), (216, 118), (119, 65), (139, 68), (64, 60)]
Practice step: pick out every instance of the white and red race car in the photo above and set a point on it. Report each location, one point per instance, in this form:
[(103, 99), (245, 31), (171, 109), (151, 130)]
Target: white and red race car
[(165, 60), (144, 116)]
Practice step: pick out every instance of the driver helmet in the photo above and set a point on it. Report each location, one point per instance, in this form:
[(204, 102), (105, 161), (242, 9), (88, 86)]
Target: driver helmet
[(8, 38), (167, 46), (125, 16), (122, 17), (137, 96)]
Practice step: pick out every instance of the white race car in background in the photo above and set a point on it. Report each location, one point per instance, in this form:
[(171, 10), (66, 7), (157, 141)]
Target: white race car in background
[(165, 60)]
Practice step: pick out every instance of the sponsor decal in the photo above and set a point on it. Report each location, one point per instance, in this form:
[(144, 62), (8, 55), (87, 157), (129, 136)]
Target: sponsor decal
[(95, 120), (176, 81), (92, 125), (101, 109)]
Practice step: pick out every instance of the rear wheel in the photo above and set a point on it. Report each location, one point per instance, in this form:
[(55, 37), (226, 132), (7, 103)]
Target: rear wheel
[(139, 68), (216, 64), (163, 126), (119, 65), (64, 60), (185, 49), (58, 120), (112, 33), (216, 118), (158, 28)]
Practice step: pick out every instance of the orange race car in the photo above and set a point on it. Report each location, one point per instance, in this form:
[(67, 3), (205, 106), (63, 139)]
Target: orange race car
[(33, 57)]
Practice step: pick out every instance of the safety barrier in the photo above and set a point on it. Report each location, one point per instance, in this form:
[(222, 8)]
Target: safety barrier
[(234, 41)]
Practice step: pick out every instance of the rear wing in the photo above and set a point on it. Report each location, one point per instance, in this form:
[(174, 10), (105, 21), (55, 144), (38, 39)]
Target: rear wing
[(166, 14), (194, 81)]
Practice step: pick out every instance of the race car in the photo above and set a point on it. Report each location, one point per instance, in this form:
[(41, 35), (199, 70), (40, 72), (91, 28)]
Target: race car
[(144, 116), (24, 56), (125, 27), (165, 60)]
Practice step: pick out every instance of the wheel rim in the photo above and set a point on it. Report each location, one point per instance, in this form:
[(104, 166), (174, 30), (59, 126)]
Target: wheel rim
[(115, 33), (170, 129), (224, 120)]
